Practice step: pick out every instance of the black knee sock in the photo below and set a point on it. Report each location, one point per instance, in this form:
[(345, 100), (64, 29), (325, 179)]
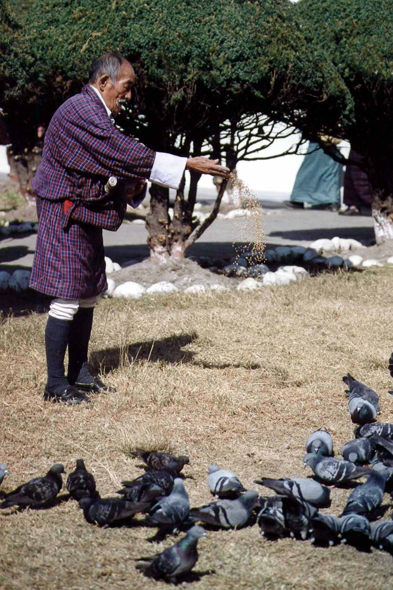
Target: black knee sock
[(78, 346), (56, 341)]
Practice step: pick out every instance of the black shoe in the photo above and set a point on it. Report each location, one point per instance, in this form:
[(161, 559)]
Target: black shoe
[(95, 386), (293, 205), (69, 395)]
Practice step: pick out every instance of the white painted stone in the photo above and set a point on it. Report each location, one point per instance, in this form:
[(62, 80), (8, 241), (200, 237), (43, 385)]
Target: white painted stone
[(162, 287), (111, 287), (356, 260), (195, 290), (270, 279), (336, 243), (322, 245), (283, 277), (108, 265), (390, 260), (129, 290), (116, 267), (371, 262), (249, 284), (344, 245), (218, 288), (4, 279), (197, 206), (298, 271), (354, 244), (238, 213), (19, 280), (139, 221)]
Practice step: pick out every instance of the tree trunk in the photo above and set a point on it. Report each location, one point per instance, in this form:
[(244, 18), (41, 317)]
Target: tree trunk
[(23, 167), (157, 224), (382, 211)]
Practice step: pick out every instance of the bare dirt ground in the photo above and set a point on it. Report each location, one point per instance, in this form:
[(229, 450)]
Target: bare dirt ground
[(239, 380)]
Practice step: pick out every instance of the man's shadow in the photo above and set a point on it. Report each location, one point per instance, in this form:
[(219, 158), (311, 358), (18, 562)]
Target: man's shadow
[(168, 350)]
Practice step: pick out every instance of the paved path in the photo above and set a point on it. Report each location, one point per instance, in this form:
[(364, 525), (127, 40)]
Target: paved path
[(282, 227)]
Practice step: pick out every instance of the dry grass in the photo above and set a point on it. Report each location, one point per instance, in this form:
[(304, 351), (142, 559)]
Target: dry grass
[(240, 380)]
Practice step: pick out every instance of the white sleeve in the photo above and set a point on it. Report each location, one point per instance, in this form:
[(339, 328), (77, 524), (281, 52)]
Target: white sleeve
[(168, 170)]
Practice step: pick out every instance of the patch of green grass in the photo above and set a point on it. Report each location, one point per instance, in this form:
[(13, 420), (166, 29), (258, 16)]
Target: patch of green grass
[(10, 199)]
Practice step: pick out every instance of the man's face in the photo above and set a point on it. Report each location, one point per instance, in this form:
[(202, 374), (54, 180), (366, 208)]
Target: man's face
[(115, 93)]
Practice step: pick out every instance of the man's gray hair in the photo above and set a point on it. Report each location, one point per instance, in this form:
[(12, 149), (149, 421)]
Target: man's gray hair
[(110, 64)]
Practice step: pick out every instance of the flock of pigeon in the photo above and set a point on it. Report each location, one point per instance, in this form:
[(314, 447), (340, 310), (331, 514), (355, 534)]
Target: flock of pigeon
[(294, 511)]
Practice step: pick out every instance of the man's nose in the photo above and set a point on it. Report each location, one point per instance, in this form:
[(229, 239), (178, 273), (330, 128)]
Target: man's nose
[(128, 95)]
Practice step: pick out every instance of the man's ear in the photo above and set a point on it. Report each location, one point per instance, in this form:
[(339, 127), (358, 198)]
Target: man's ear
[(103, 81)]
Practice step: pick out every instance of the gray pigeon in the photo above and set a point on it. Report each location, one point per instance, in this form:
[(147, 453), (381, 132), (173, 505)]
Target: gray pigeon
[(3, 471), (299, 488), (224, 483), (271, 519), (368, 496), (81, 483), (39, 491), (320, 442), (176, 560), (358, 389), (227, 513), (134, 490), (298, 515), (384, 446), (384, 430), (379, 466), (158, 461), (382, 535), (324, 529), (362, 412), (333, 471), (355, 530), (106, 511), (173, 509), (358, 451)]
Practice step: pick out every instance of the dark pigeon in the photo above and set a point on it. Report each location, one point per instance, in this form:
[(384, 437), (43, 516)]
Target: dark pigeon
[(298, 515), (176, 560), (358, 389), (299, 488), (384, 447), (334, 471), (40, 491), (173, 509), (227, 513), (81, 483), (361, 411), (359, 451), (324, 529), (320, 442), (367, 497), (271, 519), (158, 461), (224, 483), (382, 535), (384, 430), (135, 490), (3, 471), (107, 511), (355, 530)]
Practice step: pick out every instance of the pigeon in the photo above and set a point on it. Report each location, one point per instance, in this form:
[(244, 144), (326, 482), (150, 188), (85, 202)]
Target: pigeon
[(320, 442), (368, 496), (384, 430), (383, 446), (358, 389), (158, 461), (362, 412), (223, 483), (173, 509), (382, 535), (81, 483), (39, 491), (134, 490), (333, 471), (298, 514), (3, 471), (176, 560), (379, 466), (358, 451), (106, 511), (299, 488), (324, 529), (227, 513), (271, 519), (355, 530)]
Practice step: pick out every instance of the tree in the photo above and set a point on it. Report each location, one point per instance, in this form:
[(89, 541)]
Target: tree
[(211, 74), (356, 37)]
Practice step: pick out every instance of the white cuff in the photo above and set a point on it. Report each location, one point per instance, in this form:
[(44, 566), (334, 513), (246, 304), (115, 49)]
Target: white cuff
[(168, 170)]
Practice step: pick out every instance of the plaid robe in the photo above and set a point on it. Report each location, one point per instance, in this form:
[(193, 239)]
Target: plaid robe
[(82, 150)]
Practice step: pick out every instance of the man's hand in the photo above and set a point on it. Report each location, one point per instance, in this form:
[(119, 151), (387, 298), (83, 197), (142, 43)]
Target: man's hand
[(133, 190), (205, 166)]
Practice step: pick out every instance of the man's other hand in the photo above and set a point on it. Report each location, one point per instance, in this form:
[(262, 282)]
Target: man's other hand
[(205, 166)]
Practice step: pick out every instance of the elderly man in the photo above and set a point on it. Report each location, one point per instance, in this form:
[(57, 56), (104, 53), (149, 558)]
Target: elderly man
[(83, 153)]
